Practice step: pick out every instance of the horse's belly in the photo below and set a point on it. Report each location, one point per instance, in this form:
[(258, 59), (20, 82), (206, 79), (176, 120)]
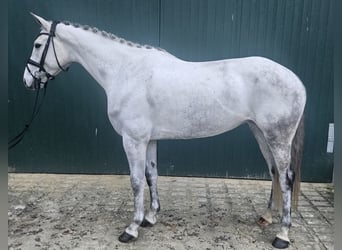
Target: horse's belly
[(195, 109), (190, 132), (189, 123)]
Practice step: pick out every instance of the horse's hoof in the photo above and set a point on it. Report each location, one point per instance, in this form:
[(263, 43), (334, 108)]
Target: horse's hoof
[(263, 223), (126, 238), (280, 244), (146, 223)]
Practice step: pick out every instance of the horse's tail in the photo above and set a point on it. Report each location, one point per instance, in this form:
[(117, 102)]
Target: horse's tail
[(296, 160)]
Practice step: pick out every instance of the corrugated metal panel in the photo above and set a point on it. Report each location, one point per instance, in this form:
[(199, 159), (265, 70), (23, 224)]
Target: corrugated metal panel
[(72, 133), (296, 34)]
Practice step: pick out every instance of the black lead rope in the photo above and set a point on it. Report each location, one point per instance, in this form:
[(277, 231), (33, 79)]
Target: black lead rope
[(36, 108)]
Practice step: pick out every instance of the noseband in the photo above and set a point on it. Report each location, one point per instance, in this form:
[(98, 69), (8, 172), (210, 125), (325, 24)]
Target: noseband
[(40, 65)]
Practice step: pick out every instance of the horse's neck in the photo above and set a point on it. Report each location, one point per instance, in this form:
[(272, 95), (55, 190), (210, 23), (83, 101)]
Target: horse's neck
[(100, 56)]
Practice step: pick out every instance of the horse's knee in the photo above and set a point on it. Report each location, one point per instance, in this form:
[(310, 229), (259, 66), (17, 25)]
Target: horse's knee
[(137, 184)]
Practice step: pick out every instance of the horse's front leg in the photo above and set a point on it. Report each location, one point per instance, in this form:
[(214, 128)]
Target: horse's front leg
[(151, 174), (136, 155)]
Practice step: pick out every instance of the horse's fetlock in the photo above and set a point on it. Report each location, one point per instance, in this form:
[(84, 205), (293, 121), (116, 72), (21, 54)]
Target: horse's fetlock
[(155, 206), (138, 218), (138, 221)]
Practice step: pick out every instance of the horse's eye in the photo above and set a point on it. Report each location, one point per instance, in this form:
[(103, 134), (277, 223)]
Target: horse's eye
[(37, 45)]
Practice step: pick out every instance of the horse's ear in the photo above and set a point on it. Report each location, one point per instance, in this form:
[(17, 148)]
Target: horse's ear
[(41, 21)]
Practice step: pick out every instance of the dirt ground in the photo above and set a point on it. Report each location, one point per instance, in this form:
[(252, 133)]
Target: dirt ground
[(90, 212)]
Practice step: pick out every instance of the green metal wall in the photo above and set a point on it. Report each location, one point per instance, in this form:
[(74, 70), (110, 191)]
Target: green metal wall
[(72, 133)]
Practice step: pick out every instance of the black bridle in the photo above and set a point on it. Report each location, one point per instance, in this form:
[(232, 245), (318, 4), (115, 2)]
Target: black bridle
[(37, 78), (38, 84)]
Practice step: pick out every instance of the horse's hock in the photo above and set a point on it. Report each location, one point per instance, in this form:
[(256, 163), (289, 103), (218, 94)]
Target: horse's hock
[(88, 212)]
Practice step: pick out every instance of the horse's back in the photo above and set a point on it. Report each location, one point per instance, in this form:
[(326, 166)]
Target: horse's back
[(249, 85)]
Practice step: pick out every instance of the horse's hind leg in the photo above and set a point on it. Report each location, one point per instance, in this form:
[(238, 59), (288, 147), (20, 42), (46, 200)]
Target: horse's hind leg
[(266, 218), (282, 157), (151, 174), (279, 138)]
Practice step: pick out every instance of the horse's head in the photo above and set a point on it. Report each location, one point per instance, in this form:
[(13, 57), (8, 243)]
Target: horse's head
[(48, 57)]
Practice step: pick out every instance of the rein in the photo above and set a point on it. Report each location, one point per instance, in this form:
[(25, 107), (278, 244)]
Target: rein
[(38, 84), (36, 108)]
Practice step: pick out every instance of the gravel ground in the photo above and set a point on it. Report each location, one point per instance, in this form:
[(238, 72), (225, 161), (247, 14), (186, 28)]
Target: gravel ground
[(49, 211)]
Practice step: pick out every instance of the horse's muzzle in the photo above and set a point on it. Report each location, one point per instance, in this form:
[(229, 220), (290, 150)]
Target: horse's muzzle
[(25, 84), (34, 86)]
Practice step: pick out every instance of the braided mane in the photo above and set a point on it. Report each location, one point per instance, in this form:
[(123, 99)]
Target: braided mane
[(110, 36)]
